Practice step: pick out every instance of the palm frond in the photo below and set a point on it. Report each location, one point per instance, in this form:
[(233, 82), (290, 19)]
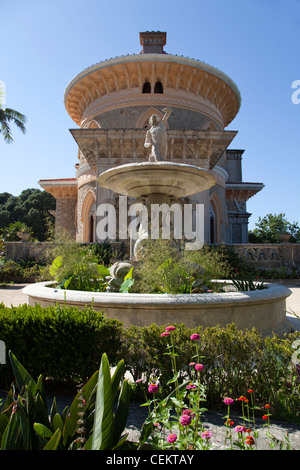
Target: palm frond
[(8, 115)]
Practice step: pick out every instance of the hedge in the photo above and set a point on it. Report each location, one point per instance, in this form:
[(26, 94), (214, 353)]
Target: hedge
[(58, 342), (66, 344)]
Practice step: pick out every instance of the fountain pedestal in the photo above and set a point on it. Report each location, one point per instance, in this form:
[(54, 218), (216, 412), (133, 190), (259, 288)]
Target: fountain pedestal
[(156, 183)]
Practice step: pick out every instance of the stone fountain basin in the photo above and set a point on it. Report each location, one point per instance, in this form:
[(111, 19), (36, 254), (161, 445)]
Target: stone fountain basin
[(146, 178), (264, 309)]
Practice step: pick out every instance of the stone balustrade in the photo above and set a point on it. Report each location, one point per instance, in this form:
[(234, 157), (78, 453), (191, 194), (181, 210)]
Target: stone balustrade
[(259, 256)]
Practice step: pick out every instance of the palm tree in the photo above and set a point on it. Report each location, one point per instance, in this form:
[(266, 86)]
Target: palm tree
[(7, 115)]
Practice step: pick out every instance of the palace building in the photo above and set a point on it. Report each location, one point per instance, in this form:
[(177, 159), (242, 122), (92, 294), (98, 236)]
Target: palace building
[(111, 103)]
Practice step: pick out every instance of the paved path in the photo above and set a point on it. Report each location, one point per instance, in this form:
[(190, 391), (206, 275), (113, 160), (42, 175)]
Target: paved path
[(13, 295)]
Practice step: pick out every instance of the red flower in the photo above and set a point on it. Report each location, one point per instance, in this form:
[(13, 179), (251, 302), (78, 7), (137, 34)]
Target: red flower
[(250, 441), (267, 406), (265, 417)]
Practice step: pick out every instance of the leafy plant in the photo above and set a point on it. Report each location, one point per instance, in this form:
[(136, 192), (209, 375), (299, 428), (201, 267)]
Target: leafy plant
[(128, 282), (247, 285), (25, 423), (77, 268)]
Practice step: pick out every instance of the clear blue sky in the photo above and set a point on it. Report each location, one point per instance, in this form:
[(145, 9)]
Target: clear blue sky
[(256, 42)]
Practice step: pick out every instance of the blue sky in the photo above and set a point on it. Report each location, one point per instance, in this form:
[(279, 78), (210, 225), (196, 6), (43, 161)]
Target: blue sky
[(256, 42)]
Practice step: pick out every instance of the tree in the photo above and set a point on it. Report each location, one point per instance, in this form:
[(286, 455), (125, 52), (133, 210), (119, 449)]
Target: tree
[(6, 116), (30, 207), (269, 228)]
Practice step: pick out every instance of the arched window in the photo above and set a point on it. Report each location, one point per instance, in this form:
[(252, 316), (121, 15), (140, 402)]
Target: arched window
[(158, 88), (88, 218), (147, 87)]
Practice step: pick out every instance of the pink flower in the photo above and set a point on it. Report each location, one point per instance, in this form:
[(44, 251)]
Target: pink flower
[(228, 401), (165, 333), (185, 420), (206, 435), (240, 428), (188, 413), (171, 438), (170, 328), (191, 387), (195, 337), (138, 381), (153, 388), (199, 367)]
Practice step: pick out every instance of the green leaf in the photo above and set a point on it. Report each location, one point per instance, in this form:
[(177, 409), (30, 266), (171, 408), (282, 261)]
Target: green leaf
[(54, 441), (103, 270), (57, 263), (121, 414), (53, 410), (11, 438), (43, 433), (23, 378), (57, 422), (6, 412), (116, 378), (24, 426), (68, 282), (103, 408), (126, 285), (41, 412)]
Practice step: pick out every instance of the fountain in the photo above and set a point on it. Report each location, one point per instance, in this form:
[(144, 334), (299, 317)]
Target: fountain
[(157, 181), (162, 182)]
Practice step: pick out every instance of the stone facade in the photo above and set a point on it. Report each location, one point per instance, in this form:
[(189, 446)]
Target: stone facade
[(112, 102)]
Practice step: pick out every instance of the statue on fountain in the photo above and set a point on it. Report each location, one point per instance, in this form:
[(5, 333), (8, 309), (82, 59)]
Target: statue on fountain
[(156, 137)]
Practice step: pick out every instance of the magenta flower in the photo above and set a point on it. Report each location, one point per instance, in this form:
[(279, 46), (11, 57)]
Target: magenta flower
[(185, 420), (206, 435), (188, 413), (240, 428), (199, 367), (171, 438), (153, 388), (195, 337), (228, 401), (170, 328), (191, 387), (192, 363), (165, 333)]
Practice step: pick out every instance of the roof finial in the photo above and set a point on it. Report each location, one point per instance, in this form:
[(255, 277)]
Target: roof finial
[(153, 42)]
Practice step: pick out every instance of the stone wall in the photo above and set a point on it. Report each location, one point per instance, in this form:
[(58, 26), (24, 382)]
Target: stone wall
[(24, 250), (259, 256), (270, 256)]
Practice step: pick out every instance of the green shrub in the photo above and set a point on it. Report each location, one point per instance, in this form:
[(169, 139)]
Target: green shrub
[(10, 271), (164, 268), (234, 360), (66, 344), (62, 343), (76, 267)]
